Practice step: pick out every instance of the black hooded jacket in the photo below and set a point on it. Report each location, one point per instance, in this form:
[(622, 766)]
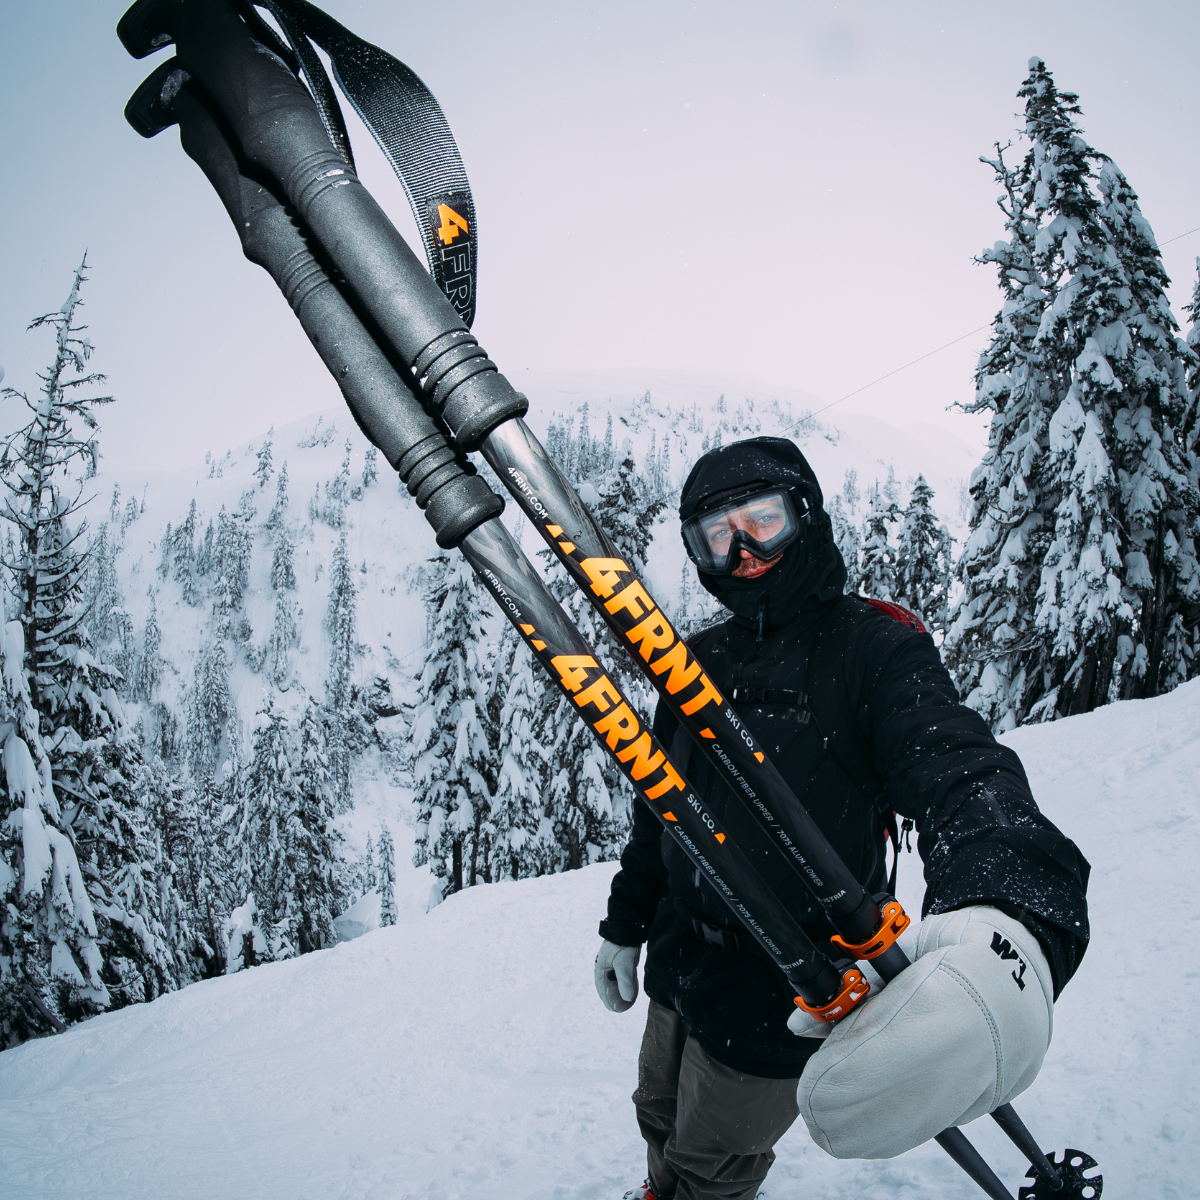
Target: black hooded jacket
[(981, 836)]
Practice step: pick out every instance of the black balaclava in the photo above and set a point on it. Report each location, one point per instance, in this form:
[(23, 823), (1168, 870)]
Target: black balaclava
[(810, 573)]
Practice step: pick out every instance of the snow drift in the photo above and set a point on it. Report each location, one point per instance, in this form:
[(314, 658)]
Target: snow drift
[(463, 1053)]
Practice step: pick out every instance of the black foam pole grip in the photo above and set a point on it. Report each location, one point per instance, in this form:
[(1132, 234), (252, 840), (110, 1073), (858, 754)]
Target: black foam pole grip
[(279, 131), (454, 498)]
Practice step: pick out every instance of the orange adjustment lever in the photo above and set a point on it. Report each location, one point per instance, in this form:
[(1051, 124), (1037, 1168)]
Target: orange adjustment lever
[(895, 922), (854, 988)]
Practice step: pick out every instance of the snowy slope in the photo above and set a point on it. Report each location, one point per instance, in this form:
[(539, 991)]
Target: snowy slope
[(464, 1053)]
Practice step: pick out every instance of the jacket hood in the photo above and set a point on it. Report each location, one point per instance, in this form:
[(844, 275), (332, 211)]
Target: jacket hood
[(811, 572)]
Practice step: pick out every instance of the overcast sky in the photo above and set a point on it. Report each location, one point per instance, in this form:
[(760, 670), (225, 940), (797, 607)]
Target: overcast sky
[(776, 196)]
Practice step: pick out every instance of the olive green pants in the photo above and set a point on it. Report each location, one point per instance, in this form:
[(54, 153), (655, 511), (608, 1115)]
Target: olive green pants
[(709, 1129)]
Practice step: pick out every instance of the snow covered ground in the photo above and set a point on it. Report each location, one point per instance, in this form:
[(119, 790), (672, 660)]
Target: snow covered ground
[(463, 1053)]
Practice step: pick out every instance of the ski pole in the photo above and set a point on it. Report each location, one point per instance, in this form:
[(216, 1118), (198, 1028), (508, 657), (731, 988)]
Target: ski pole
[(471, 396), (462, 509), (276, 125)]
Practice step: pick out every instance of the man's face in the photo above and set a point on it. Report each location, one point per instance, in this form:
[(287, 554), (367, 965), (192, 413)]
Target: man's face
[(762, 518)]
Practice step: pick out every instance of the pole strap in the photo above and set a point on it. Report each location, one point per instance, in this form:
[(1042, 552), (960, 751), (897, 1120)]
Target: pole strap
[(407, 123)]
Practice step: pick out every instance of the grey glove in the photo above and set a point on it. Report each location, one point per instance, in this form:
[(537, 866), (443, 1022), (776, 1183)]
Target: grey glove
[(616, 975)]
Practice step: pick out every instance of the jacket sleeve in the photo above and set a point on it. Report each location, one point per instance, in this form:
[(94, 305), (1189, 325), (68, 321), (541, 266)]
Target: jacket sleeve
[(641, 882), (981, 837)]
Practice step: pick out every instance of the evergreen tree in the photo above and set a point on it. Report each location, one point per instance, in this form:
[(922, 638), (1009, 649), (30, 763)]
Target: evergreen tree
[(318, 893), (923, 560), (340, 623), (283, 574), (232, 550), (50, 961), (284, 638), (263, 469), (164, 562), (369, 877), (210, 705), (150, 664), (1081, 557), (278, 515), (519, 844), (187, 867), (103, 589), (205, 553), (337, 492), (387, 878), (272, 832), (849, 542), (878, 575), (451, 750), (130, 515), (91, 755), (183, 556), (370, 467)]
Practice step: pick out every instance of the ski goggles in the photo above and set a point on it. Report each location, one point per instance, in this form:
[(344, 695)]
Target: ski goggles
[(765, 522)]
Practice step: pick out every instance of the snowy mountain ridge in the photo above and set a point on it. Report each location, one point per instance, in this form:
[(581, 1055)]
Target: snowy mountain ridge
[(388, 541), (463, 1053)]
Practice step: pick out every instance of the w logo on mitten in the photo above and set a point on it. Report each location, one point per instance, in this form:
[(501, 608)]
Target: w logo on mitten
[(1003, 947)]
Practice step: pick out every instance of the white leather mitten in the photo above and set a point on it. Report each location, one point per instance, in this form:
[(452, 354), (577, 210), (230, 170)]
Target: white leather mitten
[(963, 1029), (616, 975)]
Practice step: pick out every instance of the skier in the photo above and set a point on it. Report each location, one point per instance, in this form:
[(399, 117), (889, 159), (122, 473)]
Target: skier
[(727, 1061)]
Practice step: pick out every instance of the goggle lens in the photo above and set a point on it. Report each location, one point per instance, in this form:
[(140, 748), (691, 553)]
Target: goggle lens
[(765, 524)]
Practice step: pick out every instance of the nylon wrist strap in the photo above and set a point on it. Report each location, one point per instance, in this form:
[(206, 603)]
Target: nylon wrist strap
[(407, 123)]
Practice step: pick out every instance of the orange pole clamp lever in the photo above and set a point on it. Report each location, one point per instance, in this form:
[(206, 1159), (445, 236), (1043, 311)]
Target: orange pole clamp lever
[(895, 922), (854, 988)]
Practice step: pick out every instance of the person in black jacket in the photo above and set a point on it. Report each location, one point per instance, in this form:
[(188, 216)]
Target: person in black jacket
[(1004, 904)]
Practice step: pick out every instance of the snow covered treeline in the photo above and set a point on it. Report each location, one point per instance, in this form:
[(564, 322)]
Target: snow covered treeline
[(155, 827), (1080, 578)]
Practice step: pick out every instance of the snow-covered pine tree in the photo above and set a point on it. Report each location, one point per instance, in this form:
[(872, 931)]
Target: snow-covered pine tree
[(370, 467), (1082, 495), (924, 560), (452, 754), (102, 590), (519, 843), (1150, 408), (340, 623), (284, 638), (877, 577), (387, 878), (183, 556), (210, 703), (370, 879), (92, 755), (204, 552), (270, 831), (164, 561), (187, 868), (849, 543), (318, 892), (277, 517), (263, 468), (130, 515), (337, 492), (283, 573), (149, 666), (50, 961)]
